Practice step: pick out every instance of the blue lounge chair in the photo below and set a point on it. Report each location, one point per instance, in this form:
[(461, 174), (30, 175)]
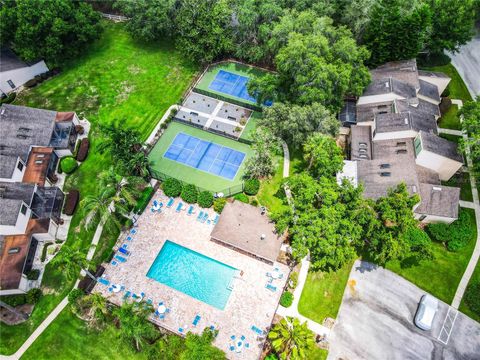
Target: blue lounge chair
[(149, 302), (155, 203), (205, 217), (125, 246), (170, 202), (242, 337), (129, 238), (161, 316), (215, 221), (180, 330), (257, 330), (233, 337), (190, 210), (110, 289), (114, 263), (196, 320), (270, 287), (232, 347), (247, 345), (120, 258), (124, 251), (127, 295), (103, 281), (179, 207), (200, 216), (133, 231)]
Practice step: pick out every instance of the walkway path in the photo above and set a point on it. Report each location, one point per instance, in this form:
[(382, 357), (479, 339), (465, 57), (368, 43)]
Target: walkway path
[(450, 132), (475, 205)]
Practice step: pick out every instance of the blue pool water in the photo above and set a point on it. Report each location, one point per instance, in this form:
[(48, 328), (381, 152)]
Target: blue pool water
[(233, 84), (204, 155), (192, 273)]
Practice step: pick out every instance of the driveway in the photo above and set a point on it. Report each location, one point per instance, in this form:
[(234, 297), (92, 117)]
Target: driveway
[(467, 62), (376, 322)]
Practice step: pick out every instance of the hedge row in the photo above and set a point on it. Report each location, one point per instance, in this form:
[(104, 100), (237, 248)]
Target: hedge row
[(456, 235), (144, 199), (188, 192), (68, 164)]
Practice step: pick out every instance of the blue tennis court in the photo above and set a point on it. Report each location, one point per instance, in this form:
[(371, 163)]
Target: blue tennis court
[(232, 84), (205, 155)]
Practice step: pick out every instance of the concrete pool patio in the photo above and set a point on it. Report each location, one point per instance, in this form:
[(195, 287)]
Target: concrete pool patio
[(250, 303)]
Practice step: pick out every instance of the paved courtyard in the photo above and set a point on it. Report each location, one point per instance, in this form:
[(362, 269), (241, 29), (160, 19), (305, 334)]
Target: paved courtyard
[(376, 322), (250, 303)]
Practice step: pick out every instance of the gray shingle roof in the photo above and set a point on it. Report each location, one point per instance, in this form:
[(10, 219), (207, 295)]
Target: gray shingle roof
[(405, 121), (433, 74), (404, 70), (440, 146), (429, 90), (11, 197), (20, 128), (421, 107), (438, 200), (361, 142), (10, 61)]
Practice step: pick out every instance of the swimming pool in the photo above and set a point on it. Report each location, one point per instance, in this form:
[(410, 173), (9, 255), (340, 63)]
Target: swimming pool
[(192, 273)]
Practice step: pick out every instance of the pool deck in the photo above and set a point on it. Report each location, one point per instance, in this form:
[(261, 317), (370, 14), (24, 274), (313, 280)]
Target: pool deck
[(249, 304)]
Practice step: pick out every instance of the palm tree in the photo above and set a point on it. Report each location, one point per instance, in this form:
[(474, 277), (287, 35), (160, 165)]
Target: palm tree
[(93, 309), (71, 261), (134, 325), (138, 165), (120, 142), (290, 339), (125, 187)]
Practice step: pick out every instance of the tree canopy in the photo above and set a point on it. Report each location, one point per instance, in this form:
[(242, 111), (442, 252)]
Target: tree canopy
[(294, 123), (471, 126), (54, 30)]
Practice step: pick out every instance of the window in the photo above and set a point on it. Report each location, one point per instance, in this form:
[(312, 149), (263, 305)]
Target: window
[(14, 250), (23, 209), (382, 112), (12, 85), (401, 143), (421, 218), (418, 145), (20, 166), (382, 106)]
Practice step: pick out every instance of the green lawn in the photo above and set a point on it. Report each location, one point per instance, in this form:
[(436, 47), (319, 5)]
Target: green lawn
[(462, 181), (457, 87), (323, 293), (450, 119), (317, 354), (442, 275), (68, 337), (232, 67), (453, 138), (117, 80), (271, 193), (249, 130), (463, 306), (189, 174)]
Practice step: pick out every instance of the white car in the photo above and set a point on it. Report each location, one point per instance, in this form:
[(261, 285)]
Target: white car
[(427, 309)]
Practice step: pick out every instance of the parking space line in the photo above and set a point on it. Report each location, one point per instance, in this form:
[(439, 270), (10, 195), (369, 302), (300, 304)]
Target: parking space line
[(448, 324)]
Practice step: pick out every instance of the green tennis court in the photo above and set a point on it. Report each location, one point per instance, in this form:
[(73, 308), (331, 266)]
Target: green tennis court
[(184, 172)]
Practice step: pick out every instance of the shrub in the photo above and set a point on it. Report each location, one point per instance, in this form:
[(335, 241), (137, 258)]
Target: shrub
[(44, 75), (286, 299), (172, 187), (271, 357), (219, 204), (472, 297), (33, 295), (83, 150), (14, 300), (254, 202), (293, 280), (445, 104), (71, 202), (74, 295), (9, 98), (30, 83), (456, 235), (33, 274), (189, 193), (44, 251), (241, 197), (142, 202), (251, 186), (205, 199), (68, 164)]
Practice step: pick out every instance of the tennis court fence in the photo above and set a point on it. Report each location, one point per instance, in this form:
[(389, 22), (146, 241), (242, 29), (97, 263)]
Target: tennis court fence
[(227, 192), (227, 99)]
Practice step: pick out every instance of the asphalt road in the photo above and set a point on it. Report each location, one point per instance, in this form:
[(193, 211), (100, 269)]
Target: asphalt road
[(376, 322), (467, 62)]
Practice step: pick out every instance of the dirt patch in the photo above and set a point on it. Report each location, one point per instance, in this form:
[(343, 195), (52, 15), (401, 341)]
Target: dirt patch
[(135, 70)]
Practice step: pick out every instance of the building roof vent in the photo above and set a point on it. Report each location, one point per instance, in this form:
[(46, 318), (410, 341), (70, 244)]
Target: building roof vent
[(385, 174), (436, 188), (384, 166)]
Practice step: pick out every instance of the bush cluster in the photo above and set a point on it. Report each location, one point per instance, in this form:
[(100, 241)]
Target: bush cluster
[(189, 193), (472, 297), (68, 164), (252, 186), (219, 204), (456, 235), (242, 197), (172, 187), (33, 274), (286, 299), (205, 199), (33, 295), (9, 98), (74, 295)]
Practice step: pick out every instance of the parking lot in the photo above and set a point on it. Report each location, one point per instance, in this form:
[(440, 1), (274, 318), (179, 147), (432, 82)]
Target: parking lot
[(376, 322)]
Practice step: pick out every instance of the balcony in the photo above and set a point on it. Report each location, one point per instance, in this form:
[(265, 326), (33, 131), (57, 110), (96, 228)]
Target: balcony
[(47, 203)]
